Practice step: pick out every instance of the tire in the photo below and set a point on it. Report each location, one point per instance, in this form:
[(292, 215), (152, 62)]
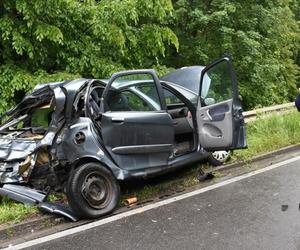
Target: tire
[(92, 191), (218, 158)]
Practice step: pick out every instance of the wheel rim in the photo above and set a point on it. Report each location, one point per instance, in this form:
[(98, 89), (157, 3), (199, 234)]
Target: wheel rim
[(96, 190), (221, 156)]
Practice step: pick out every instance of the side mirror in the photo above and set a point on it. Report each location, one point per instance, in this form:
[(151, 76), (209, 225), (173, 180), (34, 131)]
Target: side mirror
[(209, 101)]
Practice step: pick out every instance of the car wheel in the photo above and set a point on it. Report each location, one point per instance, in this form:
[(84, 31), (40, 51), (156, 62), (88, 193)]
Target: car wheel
[(92, 191), (218, 158)]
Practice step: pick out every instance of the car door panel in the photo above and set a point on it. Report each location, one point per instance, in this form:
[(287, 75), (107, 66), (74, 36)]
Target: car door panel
[(218, 112), (143, 136), (220, 119), (215, 125), (138, 140), (136, 128)]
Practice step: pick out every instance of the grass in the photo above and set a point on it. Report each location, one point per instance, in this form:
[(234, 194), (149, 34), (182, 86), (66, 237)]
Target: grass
[(58, 198), (160, 185), (13, 212), (263, 135), (270, 133)]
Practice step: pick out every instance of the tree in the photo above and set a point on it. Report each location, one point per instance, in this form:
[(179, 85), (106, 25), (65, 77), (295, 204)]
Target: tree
[(56, 40), (261, 36), (295, 6)]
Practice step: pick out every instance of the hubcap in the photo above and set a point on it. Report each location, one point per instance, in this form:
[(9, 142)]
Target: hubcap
[(221, 156), (95, 190)]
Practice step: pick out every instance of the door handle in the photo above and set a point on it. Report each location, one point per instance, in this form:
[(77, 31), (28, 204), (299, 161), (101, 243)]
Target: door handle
[(208, 115), (117, 119)]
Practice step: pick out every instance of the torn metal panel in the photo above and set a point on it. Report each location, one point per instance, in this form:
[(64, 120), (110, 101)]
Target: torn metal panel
[(23, 194), (58, 209), (31, 196), (17, 171), (9, 172), (17, 144), (13, 149), (16, 149), (68, 148)]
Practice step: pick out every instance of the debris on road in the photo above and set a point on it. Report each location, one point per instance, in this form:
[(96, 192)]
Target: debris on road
[(130, 201), (202, 175)]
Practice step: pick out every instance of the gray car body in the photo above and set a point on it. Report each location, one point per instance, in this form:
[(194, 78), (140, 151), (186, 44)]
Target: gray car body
[(90, 121), (61, 138)]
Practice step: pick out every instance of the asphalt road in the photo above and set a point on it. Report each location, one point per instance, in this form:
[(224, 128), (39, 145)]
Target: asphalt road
[(246, 214)]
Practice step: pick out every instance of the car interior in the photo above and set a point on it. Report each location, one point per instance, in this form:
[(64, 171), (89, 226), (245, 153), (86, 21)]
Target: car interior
[(183, 124), (133, 99)]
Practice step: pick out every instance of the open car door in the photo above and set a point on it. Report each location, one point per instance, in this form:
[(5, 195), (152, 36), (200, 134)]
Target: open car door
[(219, 111), (136, 134)]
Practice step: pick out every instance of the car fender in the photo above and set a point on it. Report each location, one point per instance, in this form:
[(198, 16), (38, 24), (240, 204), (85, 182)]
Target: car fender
[(80, 142), (116, 171)]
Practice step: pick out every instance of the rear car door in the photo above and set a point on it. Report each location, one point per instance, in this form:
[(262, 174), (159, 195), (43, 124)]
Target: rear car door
[(219, 111), (136, 134)]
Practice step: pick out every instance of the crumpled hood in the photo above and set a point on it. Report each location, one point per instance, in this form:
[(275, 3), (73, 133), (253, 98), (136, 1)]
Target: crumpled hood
[(13, 149), (16, 149)]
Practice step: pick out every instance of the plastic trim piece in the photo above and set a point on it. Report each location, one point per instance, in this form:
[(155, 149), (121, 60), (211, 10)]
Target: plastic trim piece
[(58, 209), (23, 194), (31, 197), (143, 149)]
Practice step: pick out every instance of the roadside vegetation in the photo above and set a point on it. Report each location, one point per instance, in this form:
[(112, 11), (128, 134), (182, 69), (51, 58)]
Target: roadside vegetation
[(270, 133), (43, 41), (13, 212), (266, 134)]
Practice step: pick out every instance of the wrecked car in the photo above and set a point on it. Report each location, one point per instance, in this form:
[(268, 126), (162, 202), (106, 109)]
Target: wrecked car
[(84, 136)]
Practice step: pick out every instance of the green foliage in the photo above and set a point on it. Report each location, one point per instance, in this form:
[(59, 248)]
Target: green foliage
[(16, 81), (62, 39), (261, 36), (220, 86), (295, 6), (42, 41)]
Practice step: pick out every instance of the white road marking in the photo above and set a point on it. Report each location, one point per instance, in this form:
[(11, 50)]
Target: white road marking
[(147, 207)]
